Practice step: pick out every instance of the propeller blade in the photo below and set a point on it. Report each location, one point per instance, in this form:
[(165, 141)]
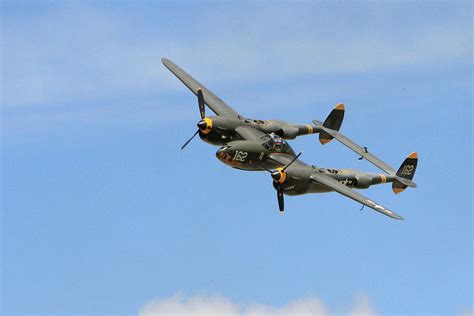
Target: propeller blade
[(202, 108), (297, 156), (281, 201), (186, 143)]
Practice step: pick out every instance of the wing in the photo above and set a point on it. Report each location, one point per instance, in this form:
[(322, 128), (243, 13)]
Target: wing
[(214, 102), (248, 133), (356, 148), (284, 159), (342, 189)]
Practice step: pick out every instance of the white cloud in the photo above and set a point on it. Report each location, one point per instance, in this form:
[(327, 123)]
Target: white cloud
[(219, 305)]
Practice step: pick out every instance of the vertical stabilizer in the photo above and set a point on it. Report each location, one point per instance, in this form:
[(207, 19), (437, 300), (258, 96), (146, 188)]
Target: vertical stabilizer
[(405, 174), (333, 121)]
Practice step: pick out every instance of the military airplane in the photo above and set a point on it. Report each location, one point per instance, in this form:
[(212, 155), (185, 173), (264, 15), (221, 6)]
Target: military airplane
[(260, 145)]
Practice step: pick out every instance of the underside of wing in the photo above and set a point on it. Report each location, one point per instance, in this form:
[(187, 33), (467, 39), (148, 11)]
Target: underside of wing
[(214, 102), (362, 151), (344, 190)]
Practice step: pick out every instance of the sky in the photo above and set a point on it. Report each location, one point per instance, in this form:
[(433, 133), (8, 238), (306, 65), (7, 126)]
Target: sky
[(102, 213)]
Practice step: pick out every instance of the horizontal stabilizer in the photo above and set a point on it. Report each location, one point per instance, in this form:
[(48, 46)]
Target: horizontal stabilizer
[(406, 182), (362, 151)]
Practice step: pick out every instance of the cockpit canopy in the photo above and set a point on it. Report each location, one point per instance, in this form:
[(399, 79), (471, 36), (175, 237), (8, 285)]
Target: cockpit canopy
[(276, 144)]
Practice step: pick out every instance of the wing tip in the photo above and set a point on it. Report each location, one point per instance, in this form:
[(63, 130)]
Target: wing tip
[(395, 216), (166, 61)]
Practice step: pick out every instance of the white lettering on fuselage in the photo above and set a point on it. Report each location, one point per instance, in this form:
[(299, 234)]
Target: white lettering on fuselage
[(240, 155)]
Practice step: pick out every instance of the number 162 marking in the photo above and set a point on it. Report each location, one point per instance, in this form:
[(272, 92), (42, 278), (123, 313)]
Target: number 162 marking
[(240, 155)]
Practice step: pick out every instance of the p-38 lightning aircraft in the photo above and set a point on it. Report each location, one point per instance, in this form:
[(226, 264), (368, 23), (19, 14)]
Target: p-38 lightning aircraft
[(259, 145)]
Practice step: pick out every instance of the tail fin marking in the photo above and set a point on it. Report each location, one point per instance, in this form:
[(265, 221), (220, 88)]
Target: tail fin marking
[(405, 174)]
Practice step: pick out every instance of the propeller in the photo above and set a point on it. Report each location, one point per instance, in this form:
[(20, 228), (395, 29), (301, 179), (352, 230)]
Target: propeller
[(292, 161), (281, 200), (202, 108), (205, 124), (279, 177), (189, 140)]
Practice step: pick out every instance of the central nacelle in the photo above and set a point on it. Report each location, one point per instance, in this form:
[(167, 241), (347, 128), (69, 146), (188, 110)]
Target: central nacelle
[(242, 154)]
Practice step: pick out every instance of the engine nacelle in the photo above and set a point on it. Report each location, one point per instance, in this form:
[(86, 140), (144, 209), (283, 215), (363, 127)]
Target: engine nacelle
[(288, 132), (215, 137), (362, 182), (217, 130)]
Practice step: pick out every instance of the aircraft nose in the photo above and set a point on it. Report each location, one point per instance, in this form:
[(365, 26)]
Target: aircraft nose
[(223, 153)]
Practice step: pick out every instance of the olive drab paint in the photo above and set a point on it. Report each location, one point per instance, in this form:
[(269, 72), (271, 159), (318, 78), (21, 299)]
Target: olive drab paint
[(261, 145)]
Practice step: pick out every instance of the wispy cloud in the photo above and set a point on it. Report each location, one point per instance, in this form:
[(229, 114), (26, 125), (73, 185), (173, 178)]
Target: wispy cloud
[(74, 53), (219, 305), (73, 64), (81, 53)]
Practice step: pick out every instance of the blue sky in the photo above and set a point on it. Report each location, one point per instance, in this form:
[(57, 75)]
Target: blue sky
[(102, 213)]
